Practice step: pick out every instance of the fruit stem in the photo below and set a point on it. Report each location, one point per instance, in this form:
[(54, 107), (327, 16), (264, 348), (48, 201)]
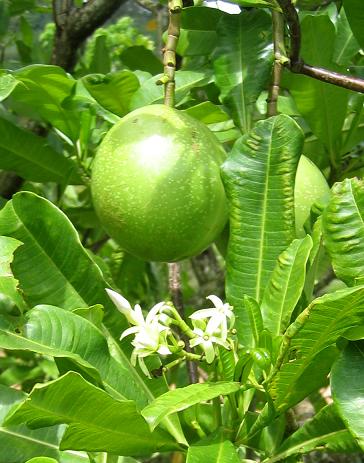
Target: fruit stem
[(280, 58), (169, 52)]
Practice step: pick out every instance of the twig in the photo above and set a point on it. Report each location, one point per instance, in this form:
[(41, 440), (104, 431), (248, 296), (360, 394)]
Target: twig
[(279, 59), (298, 66)]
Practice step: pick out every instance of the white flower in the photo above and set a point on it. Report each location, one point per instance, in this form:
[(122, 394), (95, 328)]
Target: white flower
[(218, 315), (205, 338), (150, 333)]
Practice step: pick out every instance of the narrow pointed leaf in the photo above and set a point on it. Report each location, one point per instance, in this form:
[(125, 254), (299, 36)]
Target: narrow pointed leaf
[(116, 427), (343, 227), (255, 317), (347, 382), (242, 62), (309, 345), (285, 286), (182, 398), (220, 452), (259, 179), (326, 429), (32, 158)]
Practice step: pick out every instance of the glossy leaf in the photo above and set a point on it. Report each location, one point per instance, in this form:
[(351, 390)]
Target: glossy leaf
[(140, 58), (42, 93), (308, 348), (32, 158), (198, 32), (259, 178), (150, 93), (285, 286), (255, 317), (19, 443), (355, 13), (347, 383), (220, 452), (343, 227), (207, 112), (326, 429), (52, 266), (58, 333), (327, 118), (242, 62), (346, 45), (182, 398), (116, 427), (113, 91)]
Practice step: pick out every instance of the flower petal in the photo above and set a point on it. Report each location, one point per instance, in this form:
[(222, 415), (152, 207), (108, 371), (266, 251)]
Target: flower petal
[(216, 301), (133, 329), (204, 313), (209, 350)]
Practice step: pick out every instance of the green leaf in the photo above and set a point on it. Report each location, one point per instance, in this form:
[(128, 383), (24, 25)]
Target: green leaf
[(259, 179), (326, 429), (140, 58), (8, 284), (285, 286), (19, 443), (343, 228), (346, 46), (255, 317), (42, 93), (113, 91), (347, 383), (326, 119), (116, 427), (355, 13), (242, 62), (55, 332), (100, 59), (52, 267), (207, 112), (7, 84), (220, 452), (32, 158), (308, 348), (198, 35), (184, 397), (150, 93), (41, 460)]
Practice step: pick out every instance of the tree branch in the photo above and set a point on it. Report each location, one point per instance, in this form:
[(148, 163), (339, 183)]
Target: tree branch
[(74, 25), (297, 65)]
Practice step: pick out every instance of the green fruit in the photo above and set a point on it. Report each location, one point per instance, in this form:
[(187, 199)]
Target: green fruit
[(310, 187), (156, 184)]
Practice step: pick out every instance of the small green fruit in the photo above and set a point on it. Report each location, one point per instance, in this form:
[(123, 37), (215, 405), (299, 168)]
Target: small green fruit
[(156, 184), (310, 187)]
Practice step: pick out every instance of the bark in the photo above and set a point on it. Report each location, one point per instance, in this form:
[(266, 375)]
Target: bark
[(75, 25)]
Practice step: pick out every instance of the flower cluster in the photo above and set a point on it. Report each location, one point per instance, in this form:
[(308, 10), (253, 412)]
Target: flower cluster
[(153, 334)]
